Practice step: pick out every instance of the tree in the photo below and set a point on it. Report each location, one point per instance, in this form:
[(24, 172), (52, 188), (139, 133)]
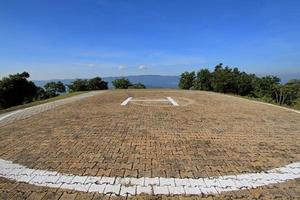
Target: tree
[(16, 89), (121, 83), (246, 84), (79, 85), (265, 86), (97, 84), (203, 80), (186, 80), (287, 93), (137, 86), (294, 88), (42, 94), (55, 88), (218, 79)]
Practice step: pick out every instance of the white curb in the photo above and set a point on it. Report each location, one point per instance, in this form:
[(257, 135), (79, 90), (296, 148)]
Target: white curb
[(153, 186)]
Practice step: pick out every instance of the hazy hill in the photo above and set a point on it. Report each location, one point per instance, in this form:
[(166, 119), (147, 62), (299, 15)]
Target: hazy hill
[(151, 81)]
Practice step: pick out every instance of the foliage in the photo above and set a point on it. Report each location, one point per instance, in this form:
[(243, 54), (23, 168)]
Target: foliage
[(121, 83), (54, 88), (287, 93), (37, 101), (137, 86), (186, 80), (203, 80), (232, 80), (265, 86), (88, 84), (97, 84), (79, 85), (16, 89), (42, 94)]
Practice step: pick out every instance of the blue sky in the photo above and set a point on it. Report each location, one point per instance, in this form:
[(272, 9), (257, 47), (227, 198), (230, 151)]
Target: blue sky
[(82, 39)]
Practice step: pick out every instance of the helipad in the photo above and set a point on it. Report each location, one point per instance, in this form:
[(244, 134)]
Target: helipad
[(96, 146)]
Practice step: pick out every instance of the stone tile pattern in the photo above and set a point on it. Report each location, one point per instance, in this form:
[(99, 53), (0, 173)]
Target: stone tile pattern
[(207, 135), (125, 186), (28, 112)]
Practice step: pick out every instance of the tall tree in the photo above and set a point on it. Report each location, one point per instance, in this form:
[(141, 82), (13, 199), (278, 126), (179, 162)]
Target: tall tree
[(287, 93), (266, 85), (16, 89), (97, 84), (121, 83), (220, 78), (55, 87), (79, 85), (186, 80), (246, 84), (203, 80)]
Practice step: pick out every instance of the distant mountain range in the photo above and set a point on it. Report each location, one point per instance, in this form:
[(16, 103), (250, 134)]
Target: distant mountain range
[(151, 81)]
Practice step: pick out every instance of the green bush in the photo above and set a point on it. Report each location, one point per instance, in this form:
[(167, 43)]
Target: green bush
[(137, 86), (121, 83)]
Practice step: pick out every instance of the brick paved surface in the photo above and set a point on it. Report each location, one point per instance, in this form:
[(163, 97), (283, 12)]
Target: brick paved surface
[(207, 135), (28, 112)]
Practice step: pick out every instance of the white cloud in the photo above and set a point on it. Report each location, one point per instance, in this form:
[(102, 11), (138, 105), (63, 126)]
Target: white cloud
[(91, 65), (121, 67), (143, 67)]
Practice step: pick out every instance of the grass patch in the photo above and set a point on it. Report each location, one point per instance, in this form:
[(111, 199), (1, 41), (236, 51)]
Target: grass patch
[(34, 103), (295, 107)]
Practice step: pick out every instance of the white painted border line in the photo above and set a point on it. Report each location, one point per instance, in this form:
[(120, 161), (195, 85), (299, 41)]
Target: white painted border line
[(173, 101), (124, 103), (158, 185), (10, 114), (53, 104), (277, 106), (124, 186), (149, 100)]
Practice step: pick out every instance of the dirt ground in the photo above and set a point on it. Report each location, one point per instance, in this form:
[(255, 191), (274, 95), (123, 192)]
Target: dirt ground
[(208, 135)]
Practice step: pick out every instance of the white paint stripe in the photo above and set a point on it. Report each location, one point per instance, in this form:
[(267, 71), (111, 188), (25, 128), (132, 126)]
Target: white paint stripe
[(277, 106), (10, 114), (46, 106), (149, 100), (172, 101), (134, 186), (124, 103)]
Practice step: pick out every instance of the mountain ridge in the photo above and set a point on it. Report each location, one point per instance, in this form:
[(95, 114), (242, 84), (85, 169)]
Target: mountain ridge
[(151, 81)]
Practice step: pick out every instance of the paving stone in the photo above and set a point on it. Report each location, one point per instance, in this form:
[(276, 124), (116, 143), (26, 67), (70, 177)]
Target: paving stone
[(144, 189), (97, 188), (68, 196), (192, 190), (79, 179), (204, 137), (36, 195), (182, 182), (112, 189), (166, 181), (128, 190), (160, 190), (176, 190), (107, 180), (151, 181), (52, 196)]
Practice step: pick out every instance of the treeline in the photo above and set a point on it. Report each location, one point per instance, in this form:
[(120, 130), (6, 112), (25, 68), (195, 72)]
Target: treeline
[(124, 83), (88, 84), (16, 89), (233, 81)]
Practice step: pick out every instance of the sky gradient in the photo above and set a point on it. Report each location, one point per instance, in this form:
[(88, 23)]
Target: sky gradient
[(82, 39)]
